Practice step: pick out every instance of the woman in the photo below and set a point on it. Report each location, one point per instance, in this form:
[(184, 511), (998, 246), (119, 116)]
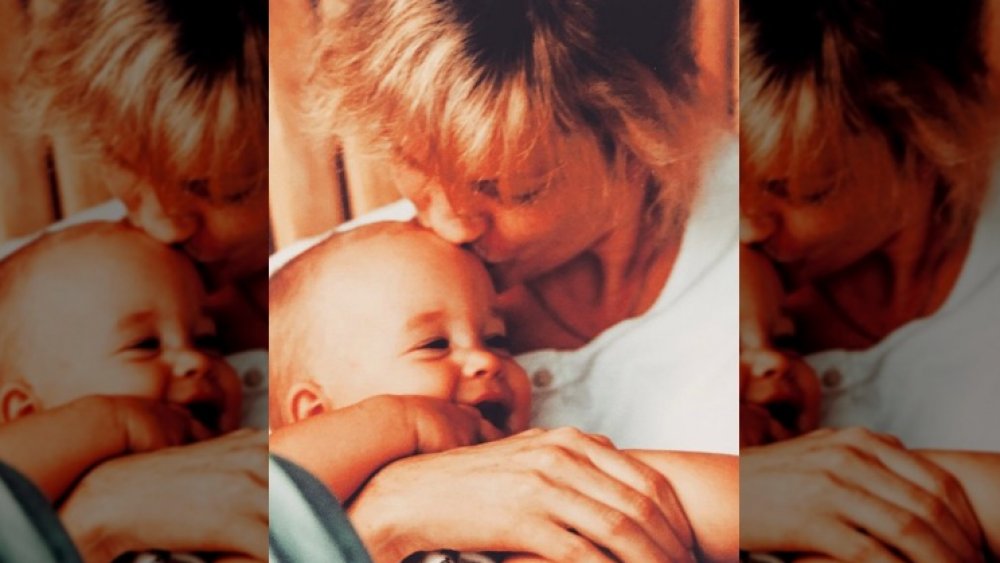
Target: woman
[(568, 146), (865, 169), (166, 101)]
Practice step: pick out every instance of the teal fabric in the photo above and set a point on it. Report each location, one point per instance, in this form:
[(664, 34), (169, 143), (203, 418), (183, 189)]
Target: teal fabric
[(29, 528), (306, 522)]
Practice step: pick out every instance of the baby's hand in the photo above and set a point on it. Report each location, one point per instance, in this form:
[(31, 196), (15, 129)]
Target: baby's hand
[(146, 424), (440, 425)]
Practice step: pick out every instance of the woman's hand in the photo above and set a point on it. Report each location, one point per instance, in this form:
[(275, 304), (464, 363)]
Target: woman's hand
[(559, 494), (210, 496), (855, 496)]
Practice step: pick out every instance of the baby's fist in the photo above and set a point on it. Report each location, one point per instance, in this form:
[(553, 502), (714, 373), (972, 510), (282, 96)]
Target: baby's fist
[(440, 425)]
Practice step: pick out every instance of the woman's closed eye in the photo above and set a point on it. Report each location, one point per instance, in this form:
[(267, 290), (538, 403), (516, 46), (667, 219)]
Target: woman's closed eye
[(241, 196), (527, 198), (817, 197)]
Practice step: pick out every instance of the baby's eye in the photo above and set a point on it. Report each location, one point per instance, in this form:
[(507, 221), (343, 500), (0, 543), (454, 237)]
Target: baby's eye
[(208, 343), (150, 343), (435, 344), (784, 341), (498, 342)]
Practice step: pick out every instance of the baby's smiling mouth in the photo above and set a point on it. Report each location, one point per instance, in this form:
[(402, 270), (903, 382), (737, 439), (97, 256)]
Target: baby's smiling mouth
[(495, 412), (785, 413), (207, 412)]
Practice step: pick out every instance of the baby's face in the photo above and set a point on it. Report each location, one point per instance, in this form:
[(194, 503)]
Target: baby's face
[(410, 314), (120, 314), (779, 392)]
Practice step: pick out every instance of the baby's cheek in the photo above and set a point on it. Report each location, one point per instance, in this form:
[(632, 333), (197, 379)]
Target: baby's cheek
[(232, 390), (520, 386)]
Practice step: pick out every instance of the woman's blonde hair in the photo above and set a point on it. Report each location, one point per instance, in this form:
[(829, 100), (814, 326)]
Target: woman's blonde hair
[(877, 89), (463, 90), (174, 91)]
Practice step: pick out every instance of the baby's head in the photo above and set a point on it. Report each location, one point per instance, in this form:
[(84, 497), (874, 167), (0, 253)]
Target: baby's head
[(779, 392), (102, 309), (390, 309)]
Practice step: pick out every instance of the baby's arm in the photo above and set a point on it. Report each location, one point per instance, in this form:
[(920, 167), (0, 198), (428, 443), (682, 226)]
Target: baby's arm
[(979, 474), (54, 448), (344, 447)]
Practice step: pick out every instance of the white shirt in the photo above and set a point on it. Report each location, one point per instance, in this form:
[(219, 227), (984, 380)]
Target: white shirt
[(667, 379), (935, 382)]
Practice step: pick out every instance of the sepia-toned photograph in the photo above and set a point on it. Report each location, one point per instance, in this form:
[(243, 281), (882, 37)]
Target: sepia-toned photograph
[(514, 335)]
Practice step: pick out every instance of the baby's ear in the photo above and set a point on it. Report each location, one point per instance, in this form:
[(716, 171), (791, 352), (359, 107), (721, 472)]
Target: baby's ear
[(16, 400), (306, 399)]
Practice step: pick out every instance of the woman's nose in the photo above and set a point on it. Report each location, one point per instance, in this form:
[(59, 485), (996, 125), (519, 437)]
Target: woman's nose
[(457, 224), (756, 227), (480, 362), (169, 224)]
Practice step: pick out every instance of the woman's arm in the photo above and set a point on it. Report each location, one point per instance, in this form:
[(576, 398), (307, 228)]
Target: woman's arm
[(979, 474), (708, 488), (559, 494), (210, 497), (56, 447), (345, 447), (856, 496)]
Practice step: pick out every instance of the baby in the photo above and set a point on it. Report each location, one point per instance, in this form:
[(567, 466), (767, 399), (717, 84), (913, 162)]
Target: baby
[(779, 392), (105, 350), (389, 331)]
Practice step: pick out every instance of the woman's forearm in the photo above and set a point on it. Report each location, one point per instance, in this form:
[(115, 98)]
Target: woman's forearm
[(708, 488), (979, 474)]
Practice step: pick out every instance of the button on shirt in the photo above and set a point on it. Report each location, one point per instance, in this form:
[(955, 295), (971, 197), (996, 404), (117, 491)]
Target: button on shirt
[(935, 382), (251, 367)]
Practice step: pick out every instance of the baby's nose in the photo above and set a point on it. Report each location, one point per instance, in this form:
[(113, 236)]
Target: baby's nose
[(765, 362), (190, 363), (481, 363)]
